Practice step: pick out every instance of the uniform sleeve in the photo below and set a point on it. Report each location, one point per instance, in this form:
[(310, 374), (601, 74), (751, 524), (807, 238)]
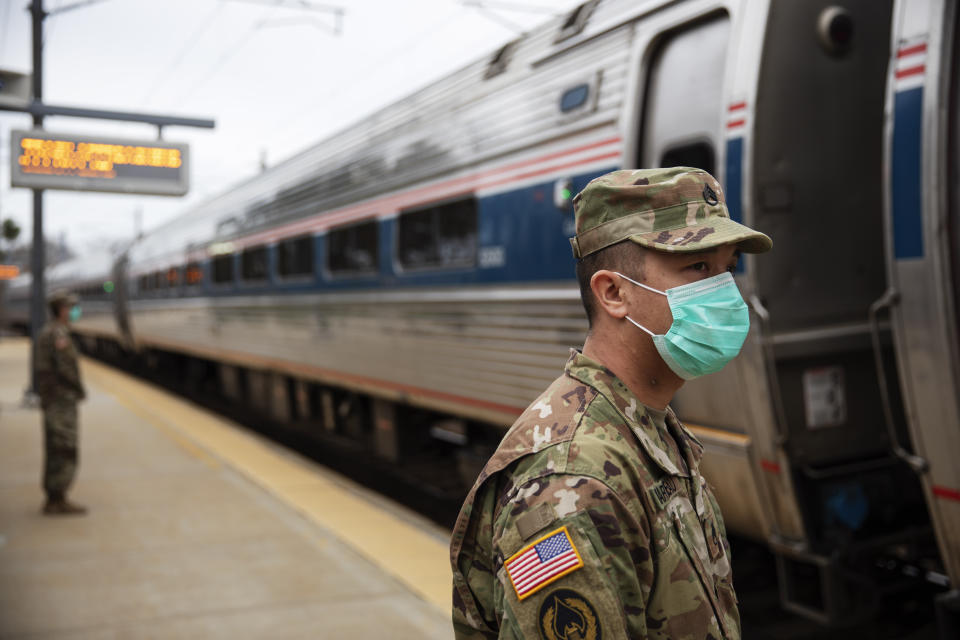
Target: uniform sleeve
[(474, 564), (46, 374), (62, 359), (573, 558)]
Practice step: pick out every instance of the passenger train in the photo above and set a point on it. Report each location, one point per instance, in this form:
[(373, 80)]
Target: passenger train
[(410, 277)]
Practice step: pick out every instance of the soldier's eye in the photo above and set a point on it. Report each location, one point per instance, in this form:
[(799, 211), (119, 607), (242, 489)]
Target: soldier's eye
[(699, 266)]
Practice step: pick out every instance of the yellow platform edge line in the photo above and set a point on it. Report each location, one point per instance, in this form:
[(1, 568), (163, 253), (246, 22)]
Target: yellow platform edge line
[(711, 433), (423, 566)]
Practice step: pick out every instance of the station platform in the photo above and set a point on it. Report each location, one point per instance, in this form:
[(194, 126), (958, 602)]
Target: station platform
[(199, 529)]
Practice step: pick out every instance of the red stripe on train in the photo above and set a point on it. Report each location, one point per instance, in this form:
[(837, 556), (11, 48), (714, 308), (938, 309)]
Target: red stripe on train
[(770, 465), (946, 493), (423, 195), (909, 51), (910, 71), (738, 106)]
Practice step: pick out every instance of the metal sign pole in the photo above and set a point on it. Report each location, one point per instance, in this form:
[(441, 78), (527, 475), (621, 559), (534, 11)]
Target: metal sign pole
[(38, 312)]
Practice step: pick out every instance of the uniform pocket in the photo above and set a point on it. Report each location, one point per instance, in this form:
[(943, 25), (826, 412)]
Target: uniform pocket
[(694, 543)]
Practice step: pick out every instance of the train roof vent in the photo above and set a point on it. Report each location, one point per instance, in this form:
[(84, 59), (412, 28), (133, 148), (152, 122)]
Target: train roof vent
[(577, 20), (500, 60)]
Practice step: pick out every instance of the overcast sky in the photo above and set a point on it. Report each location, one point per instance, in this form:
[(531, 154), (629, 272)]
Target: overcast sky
[(275, 79)]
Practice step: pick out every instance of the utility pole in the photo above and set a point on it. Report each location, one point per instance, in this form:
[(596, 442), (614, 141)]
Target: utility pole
[(38, 312)]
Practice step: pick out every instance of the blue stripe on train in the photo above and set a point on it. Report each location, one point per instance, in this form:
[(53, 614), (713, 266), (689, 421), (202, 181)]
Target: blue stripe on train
[(905, 185), (734, 185)]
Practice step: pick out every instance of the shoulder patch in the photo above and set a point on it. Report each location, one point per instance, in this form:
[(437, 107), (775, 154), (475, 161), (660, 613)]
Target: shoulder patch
[(566, 614), (541, 562)]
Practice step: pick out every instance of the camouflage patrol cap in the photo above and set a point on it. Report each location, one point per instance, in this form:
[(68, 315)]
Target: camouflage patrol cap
[(62, 297), (678, 209)]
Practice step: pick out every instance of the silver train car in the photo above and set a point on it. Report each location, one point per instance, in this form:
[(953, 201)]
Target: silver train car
[(410, 277)]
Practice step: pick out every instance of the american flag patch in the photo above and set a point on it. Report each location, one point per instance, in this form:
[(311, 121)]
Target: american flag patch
[(542, 561)]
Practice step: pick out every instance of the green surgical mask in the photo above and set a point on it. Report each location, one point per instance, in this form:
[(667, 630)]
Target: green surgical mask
[(710, 323), (75, 313)]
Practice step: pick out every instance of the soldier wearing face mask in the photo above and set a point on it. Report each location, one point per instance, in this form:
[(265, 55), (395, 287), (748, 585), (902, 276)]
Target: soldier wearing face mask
[(592, 519), (60, 389)]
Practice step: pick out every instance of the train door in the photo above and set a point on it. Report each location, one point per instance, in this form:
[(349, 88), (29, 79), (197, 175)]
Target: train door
[(815, 186), (922, 155), (121, 300)]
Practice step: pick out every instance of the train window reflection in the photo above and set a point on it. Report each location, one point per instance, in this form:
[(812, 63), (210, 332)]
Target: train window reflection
[(173, 277), (575, 97), (253, 264), (192, 274), (159, 281), (444, 236), (698, 154), (498, 64), (576, 20), (685, 94), (295, 257), (353, 250), (223, 269)]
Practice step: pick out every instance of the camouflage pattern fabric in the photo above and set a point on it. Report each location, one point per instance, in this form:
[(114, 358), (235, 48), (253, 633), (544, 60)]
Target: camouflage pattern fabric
[(589, 457), (60, 446), (57, 368), (679, 209), (60, 388)]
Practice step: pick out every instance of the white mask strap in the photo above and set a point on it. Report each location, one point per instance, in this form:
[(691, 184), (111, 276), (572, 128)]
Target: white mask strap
[(640, 326), (640, 284)]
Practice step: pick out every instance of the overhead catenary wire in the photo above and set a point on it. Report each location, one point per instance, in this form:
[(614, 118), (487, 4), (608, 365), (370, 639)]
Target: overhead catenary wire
[(231, 51), (363, 76), (225, 57), (190, 43)]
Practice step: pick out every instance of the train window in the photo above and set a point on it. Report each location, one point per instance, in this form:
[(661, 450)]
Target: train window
[(444, 236), (159, 280), (684, 104), (295, 257), (575, 97), (223, 269), (354, 249), (697, 154), (576, 20), (500, 60), (253, 263), (192, 274), (173, 277), (144, 284)]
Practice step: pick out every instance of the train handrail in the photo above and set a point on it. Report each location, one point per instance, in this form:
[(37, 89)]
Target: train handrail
[(889, 298), (766, 343)]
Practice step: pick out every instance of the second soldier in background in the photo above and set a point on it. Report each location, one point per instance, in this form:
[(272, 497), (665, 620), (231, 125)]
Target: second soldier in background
[(60, 389)]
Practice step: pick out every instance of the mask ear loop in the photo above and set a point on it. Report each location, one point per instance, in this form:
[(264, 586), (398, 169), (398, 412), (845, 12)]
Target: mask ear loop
[(640, 326), (640, 284)]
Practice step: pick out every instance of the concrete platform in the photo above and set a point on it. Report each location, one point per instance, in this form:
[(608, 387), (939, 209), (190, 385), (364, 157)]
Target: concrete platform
[(198, 529)]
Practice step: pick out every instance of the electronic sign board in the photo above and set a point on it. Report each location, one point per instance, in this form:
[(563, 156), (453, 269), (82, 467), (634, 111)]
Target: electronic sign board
[(44, 160)]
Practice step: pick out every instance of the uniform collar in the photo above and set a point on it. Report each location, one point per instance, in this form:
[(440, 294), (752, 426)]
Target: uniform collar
[(636, 415)]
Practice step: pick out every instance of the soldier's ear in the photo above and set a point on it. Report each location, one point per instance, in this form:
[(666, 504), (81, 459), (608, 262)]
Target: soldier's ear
[(607, 288)]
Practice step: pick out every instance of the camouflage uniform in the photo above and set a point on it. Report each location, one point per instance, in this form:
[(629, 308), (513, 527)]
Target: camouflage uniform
[(589, 457), (59, 388), (590, 476)]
